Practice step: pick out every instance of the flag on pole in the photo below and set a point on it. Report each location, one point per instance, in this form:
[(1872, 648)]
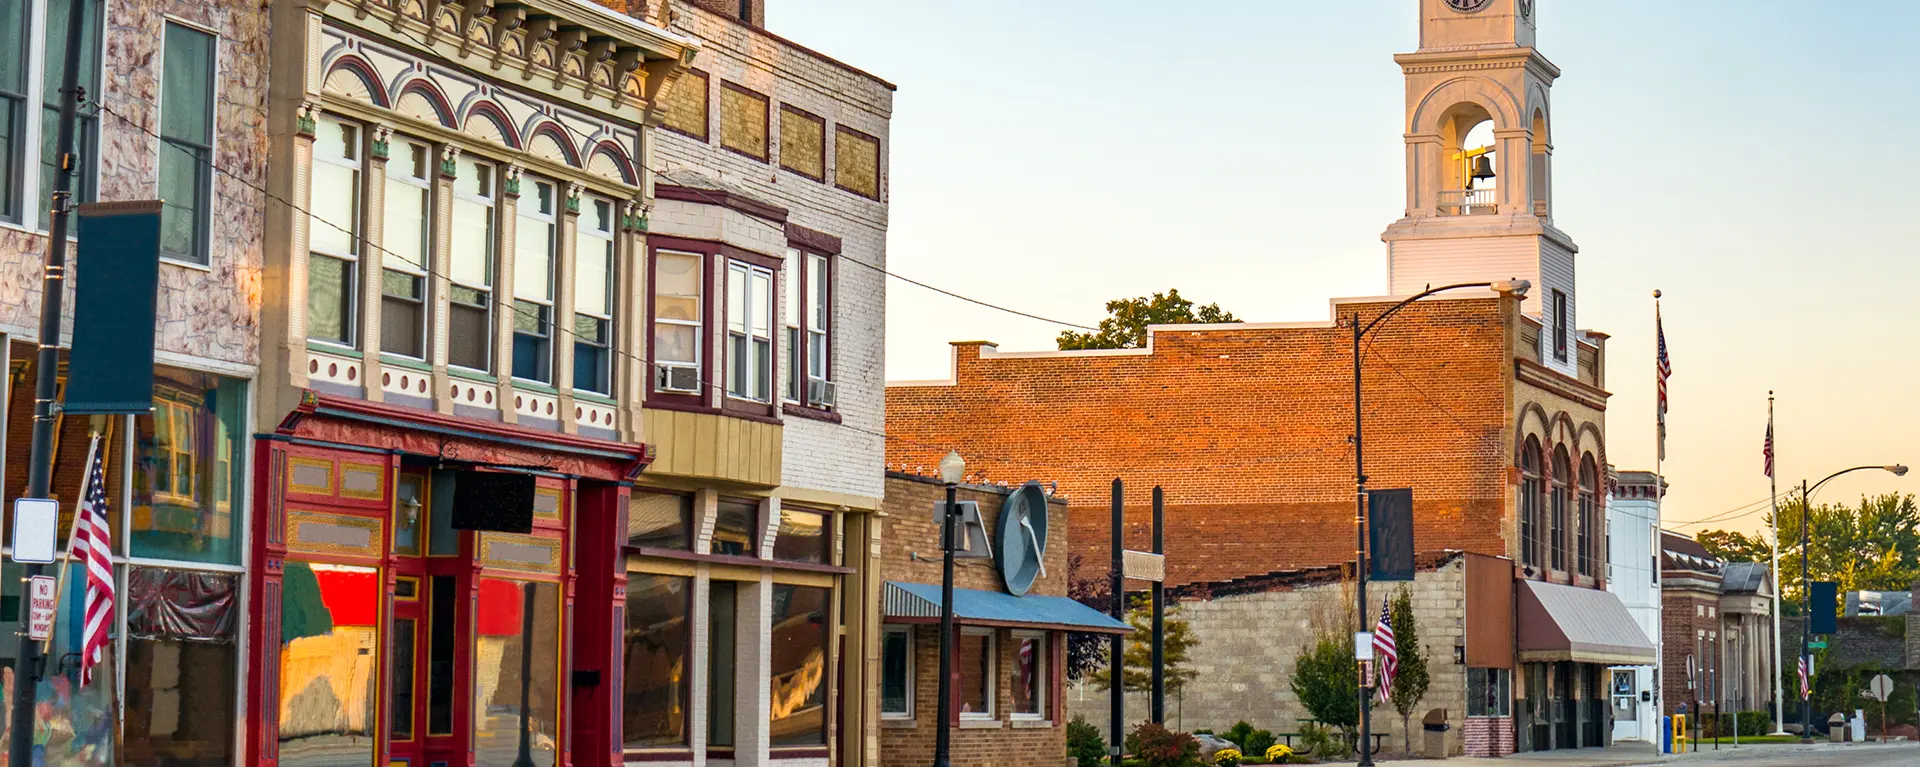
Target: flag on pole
[(1663, 368), (1805, 691), (1385, 654), (1766, 451), (92, 546)]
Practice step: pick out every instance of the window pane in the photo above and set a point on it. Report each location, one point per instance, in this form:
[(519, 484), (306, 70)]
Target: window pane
[(762, 303), (469, 329), (658, 639), (896, 672), (329, 298), (676, 343), (798, 665), (12, 143), (975, 660), (802, 537), (660, 521), (402, 314), (336, 208), (404, 235), (187, 85), (329, 657), (737, 372), (533, 248), (676, 287), (593, 275), (181, 181), (1029, 673), (441, 629), (180, 462), (722, 624), (817, 355), (794, 288), (796, 372), (762, 369), (13, 30), (516, 679), (181, 664), (737, 298), (733, 528), (472, 245), (401, 645), (58, 13), (817, 293), (410, 512)]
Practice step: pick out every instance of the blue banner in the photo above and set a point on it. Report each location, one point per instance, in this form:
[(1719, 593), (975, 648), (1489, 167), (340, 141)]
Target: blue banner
[(110, 369)]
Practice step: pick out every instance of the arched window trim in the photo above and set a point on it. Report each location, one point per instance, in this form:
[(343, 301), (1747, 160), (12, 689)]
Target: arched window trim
[(1561, 478), (1531, 490), (1589, 517)]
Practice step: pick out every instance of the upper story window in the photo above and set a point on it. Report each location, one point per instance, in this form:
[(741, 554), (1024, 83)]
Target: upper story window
[(25, 81), (1562, 475), (593, 298), (333, 232), (678, 286), (1531, 489), (535, 236), (809, 316), (407, 237), (186, 154), (1589, 519), (470, 297), (749, 332), (1560, 319)]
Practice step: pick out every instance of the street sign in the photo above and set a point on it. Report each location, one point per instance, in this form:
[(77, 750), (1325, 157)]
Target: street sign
[(41, 607), (1880, 688), (1363, 645), (36, 529), (1818, 644)]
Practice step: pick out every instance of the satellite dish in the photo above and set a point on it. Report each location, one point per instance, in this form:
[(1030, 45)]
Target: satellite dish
[(1022, 535)]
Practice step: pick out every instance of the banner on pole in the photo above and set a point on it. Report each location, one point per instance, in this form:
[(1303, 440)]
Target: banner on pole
[(1823, 607), (1390, 534), (117, 270)]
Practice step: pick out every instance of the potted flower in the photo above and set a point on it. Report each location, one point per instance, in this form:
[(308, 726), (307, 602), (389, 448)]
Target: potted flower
[(1227, 757), (1279, 753)]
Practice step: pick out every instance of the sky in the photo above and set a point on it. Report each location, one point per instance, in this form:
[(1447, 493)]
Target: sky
[(1752, 159)]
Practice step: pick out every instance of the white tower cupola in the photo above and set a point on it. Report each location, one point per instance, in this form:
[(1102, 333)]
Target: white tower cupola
[(1480, 165)]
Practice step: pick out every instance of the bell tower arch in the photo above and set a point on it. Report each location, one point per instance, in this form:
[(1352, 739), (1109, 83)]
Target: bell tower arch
[(1479, 162)]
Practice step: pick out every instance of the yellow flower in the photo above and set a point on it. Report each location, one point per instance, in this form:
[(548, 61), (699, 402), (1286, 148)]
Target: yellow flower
[(1226, 756), (1279, 753)]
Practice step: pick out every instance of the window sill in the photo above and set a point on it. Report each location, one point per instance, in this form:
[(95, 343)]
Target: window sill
[(469, 374), (982, 724), (527, 384), (809, 413), (329, 347), (659, 755), (734, 559), (408, 363), (898, 723), (187, 264), (1032, 724), (594, 397)]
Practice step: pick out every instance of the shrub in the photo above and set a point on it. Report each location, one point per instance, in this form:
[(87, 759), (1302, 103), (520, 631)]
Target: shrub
[(1084, 743), (1258, 742), (1279, 753), (1227, 757), (1324, 742), (1158, 746), (1755, 723)]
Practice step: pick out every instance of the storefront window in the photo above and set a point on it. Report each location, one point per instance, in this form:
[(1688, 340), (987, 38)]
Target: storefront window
[(660, 520), (516, 690), (797, 666), (77, 723), (896, 673), (1029, 675), (329, 657), (185, 469), (1488, 692), (181, 656), (802, 537), (409, 512), (70, 443), (657, 641), (722, 624), (975, 660), (733, 529)]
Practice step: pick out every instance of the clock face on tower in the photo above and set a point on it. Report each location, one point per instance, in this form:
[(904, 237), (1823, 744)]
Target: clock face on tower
[(1467, 6), (1022, 536)]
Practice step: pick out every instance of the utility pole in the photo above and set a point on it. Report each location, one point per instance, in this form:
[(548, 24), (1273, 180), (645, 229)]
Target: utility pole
[(28, 662)]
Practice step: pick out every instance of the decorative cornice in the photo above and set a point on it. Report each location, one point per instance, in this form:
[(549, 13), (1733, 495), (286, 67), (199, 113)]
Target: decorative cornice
[(721, 198)]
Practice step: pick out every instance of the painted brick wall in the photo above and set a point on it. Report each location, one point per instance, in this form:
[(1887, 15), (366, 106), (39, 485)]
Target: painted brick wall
[(846, 457), (1246, 428)]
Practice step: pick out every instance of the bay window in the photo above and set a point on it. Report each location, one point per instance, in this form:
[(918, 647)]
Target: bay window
[(333, 235), (749, 333), (186, 138), (406, 236), (535, 236), (677, 323), (808, 322), (593, 299), (470, 297)]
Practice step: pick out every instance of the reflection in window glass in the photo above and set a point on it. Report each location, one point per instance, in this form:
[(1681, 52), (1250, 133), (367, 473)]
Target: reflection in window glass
[(733, 528), (440, 638), (186, 468), (658, 638), (1029, 674), (181, 658), (516, 672), (400, 713), (802, 537), (329, 656), (409, 512), (78, 723), (660, 521), (896, 673), (798, 665)]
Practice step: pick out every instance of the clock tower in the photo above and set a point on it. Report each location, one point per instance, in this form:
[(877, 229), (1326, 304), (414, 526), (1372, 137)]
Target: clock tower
[(1479, 155)]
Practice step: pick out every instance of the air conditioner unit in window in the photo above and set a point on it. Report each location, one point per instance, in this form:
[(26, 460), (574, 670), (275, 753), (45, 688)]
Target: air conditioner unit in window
[(820, 392), (675, 378)]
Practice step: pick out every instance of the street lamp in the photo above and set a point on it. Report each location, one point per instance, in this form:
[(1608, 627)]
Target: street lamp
[(953, 468), (1515, 288), (1806, 591)]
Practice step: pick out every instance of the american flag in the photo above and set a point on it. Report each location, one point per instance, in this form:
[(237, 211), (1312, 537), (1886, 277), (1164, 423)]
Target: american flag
[(1805, 691), (92, 545), (1027, 647), (1385, 653), (1766, 451), (1663, 368)]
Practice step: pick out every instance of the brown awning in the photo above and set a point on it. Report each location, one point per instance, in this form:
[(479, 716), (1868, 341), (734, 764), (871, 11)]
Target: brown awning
[(1566, 623)]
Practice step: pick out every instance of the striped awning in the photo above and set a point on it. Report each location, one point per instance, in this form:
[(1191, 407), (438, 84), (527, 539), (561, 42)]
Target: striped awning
[(920, 603)]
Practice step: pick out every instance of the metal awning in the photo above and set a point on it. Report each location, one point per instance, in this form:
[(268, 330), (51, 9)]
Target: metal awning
[(1566, 623), (920, 603)]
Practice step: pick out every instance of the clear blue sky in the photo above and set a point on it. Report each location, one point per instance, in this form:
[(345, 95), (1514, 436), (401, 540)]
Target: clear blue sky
[(1753, 159)]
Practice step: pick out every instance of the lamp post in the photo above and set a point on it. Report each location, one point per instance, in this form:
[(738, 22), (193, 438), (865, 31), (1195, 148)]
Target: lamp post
[(1517, 288), (1806, 591), (953, 468)]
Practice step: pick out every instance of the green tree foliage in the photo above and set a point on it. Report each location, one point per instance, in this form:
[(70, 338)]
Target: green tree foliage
[(1873, 546), (1735, 546), (1084, 743), (1325, 678), (1126, 328), (1250, 741), (1138, 659), (1411, 680)]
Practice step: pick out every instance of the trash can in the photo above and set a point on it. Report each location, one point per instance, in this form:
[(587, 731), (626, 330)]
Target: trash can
[(1837, 728), (1435, 725)]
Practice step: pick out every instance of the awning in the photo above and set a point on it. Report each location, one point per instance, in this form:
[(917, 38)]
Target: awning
[(920, 603), (1565, 623)]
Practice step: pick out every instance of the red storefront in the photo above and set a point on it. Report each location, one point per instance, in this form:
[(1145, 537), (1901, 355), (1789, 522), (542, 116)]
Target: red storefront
[(383, 635)]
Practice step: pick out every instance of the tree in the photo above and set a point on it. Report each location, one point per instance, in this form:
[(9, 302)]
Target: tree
[(1734, 546), (1137, 668), (1087, 651), (1325, 678), (1873, 546), (1127, 327), (1410, 680)]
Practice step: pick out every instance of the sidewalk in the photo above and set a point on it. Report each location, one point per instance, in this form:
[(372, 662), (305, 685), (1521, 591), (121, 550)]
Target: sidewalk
[(1631, 754)]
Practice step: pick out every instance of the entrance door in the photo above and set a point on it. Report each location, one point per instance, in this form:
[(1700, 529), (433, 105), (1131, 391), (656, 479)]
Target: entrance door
[(1539, 707), (1565, 698), (1625, 694), (404, 707)]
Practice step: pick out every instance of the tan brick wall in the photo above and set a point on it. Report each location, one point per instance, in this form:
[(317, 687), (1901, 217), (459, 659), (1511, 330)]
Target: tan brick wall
[(910, 529)]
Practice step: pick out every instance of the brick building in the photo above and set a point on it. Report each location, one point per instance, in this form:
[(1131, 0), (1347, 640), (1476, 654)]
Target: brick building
[(1716, 619), (1490, 406)]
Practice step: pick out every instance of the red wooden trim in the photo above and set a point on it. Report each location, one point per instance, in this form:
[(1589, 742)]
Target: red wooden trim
[(630, 458), (776, 264), (722, 198), (696, 402), (812, 239), (810, 413), (750, 410), (817, 120), (766, 120)]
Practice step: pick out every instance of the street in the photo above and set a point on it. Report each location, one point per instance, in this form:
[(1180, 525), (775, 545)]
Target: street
[(1770, 755)]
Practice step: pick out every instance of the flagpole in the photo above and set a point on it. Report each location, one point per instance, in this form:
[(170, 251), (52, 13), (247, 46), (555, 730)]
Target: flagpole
[(1773, 487), (1659, 528)]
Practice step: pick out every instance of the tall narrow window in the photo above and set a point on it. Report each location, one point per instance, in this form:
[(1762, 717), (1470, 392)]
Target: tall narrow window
[(1560, 319), (13, 106), (797, 668), (749, 332), (593, 299), (1589, 516), (470, 298), (186, 134), (1030, 676), (722, 662), (977, 671), (659, 637), (808, 319), (86, 120), (333, 237), (440, 640), (535, 236), (796, 381), (1562, 475), (406, 235), (1530, 502), (400, 636), (896, 673), (677, 312)]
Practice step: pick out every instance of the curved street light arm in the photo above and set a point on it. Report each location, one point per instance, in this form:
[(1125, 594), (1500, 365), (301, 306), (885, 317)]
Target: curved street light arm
[(1415, 297), (1816, 485)]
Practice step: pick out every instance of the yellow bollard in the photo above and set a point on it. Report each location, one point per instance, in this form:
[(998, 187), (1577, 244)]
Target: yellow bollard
[(1680, 733)]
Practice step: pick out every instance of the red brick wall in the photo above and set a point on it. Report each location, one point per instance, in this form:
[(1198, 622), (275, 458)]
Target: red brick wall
[(1247, 430), (1681, 619), (1489, 736), (909, 528)]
